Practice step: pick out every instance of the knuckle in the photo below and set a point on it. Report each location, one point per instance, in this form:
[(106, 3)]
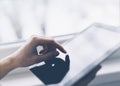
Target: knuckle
[(52, 40), (34, 37)]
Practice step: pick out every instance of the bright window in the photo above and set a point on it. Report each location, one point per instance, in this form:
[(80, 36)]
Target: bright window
[(19, 19)]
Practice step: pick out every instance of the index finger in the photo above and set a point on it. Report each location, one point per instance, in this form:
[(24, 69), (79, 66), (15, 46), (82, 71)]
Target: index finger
[(47, 41), (57, 45)]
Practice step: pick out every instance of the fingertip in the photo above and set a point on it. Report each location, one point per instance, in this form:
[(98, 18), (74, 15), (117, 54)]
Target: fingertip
[(65, 51), (60, 47)]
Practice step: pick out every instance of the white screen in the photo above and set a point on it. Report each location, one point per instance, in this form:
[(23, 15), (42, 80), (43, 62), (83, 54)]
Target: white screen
[(94, 44)]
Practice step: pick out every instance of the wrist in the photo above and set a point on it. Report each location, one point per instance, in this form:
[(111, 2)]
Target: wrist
[(9, 63), (6, 65), (13, 62)]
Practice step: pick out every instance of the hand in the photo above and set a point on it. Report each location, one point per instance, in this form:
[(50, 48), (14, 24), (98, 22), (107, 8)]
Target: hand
[(88, 78), (27, 55)]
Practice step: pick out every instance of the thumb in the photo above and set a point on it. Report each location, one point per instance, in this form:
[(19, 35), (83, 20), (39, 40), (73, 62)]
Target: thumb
[(47, 56)]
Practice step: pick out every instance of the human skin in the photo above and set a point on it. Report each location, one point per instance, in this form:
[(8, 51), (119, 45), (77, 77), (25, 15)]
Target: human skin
[(27, 54)]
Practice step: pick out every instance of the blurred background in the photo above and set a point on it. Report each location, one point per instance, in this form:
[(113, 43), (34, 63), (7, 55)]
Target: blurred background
[(19, 19)]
